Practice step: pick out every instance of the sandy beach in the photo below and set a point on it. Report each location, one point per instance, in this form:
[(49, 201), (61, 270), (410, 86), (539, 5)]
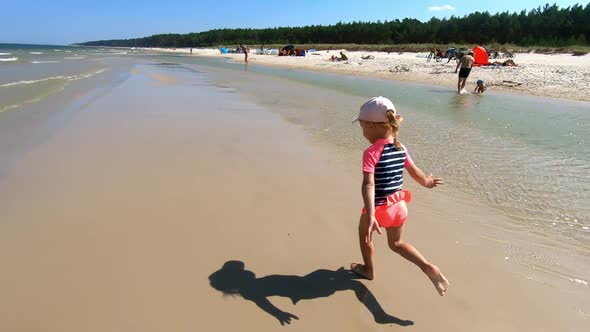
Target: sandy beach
[(550, 75), (163, 205)]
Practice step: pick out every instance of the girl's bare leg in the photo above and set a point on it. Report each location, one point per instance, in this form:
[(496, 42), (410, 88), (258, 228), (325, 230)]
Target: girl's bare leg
[(366, 270), (406, 250)]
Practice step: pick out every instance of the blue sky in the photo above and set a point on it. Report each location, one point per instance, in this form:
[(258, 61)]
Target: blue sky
[(63, 22)]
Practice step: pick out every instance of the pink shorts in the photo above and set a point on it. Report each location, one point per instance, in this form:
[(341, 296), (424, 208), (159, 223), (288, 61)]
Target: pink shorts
[(394, 213)]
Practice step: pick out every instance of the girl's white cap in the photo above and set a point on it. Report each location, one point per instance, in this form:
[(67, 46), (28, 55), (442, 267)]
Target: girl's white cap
[(375, 110)]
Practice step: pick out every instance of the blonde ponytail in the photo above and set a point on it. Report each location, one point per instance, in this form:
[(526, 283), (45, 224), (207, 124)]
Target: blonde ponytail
[(394, 125)]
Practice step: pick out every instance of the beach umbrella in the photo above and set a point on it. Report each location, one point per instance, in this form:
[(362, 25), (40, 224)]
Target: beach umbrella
[(480, 56)]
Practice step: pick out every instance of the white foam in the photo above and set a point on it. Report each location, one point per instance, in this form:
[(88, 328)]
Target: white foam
[(60, 77), (6, 108), (9, 59), (35, 81), (44, 62), (77, 77), (108, 53), (35, 52), (56, 50), (75, 57), (5, 53), (580, 281)]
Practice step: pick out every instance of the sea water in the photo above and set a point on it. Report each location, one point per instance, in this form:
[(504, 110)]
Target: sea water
[(525, 157), (29, 73)]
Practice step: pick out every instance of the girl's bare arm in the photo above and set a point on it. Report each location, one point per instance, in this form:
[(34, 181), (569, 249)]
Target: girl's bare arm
[(425, 180), (368, 191)]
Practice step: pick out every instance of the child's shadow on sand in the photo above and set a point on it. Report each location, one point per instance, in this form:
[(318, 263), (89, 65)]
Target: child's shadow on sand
[(234, 279)]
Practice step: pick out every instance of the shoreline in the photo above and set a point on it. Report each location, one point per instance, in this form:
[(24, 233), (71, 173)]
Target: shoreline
[(556, 76), (128, 228)]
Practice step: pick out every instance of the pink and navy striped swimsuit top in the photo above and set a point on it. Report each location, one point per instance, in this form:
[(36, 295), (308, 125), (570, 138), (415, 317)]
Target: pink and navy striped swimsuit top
[(387, 163)]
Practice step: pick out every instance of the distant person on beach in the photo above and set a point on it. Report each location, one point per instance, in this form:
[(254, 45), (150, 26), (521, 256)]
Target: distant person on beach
[(466, 63), (432, 54), (384, 200), (507, 63), (480, 87), (343, 56), (451, 54), (245, 50), (191, 50)]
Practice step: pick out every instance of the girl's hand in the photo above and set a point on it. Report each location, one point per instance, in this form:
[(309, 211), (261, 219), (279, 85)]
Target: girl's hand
[(433, 182), (373, 226), (424, 180)]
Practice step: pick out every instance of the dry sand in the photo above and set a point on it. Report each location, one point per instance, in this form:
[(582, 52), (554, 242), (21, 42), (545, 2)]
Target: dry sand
[(557, 75), (117, 221)]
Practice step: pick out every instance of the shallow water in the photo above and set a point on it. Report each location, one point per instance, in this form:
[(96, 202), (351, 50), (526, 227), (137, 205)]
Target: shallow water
[(125, 201), (30, 73), (525, 157)]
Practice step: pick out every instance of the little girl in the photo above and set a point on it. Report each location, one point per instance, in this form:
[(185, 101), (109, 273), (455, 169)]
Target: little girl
[(480, 87), (384, 200)]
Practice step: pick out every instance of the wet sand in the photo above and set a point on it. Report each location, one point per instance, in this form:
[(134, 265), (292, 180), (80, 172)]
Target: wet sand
[(121, 219)]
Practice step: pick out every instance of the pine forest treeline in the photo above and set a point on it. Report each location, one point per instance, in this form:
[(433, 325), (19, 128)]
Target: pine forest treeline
[(543, 26)]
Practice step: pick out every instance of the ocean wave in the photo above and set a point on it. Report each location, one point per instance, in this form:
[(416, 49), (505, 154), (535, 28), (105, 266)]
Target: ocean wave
[(108, 53), (9, 59), (81, 76), (59, 77), (13, 106), (51, 61), (75, 57), (6, 108), (30, 101), (35, 52), (38, 98), (5, 53)]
